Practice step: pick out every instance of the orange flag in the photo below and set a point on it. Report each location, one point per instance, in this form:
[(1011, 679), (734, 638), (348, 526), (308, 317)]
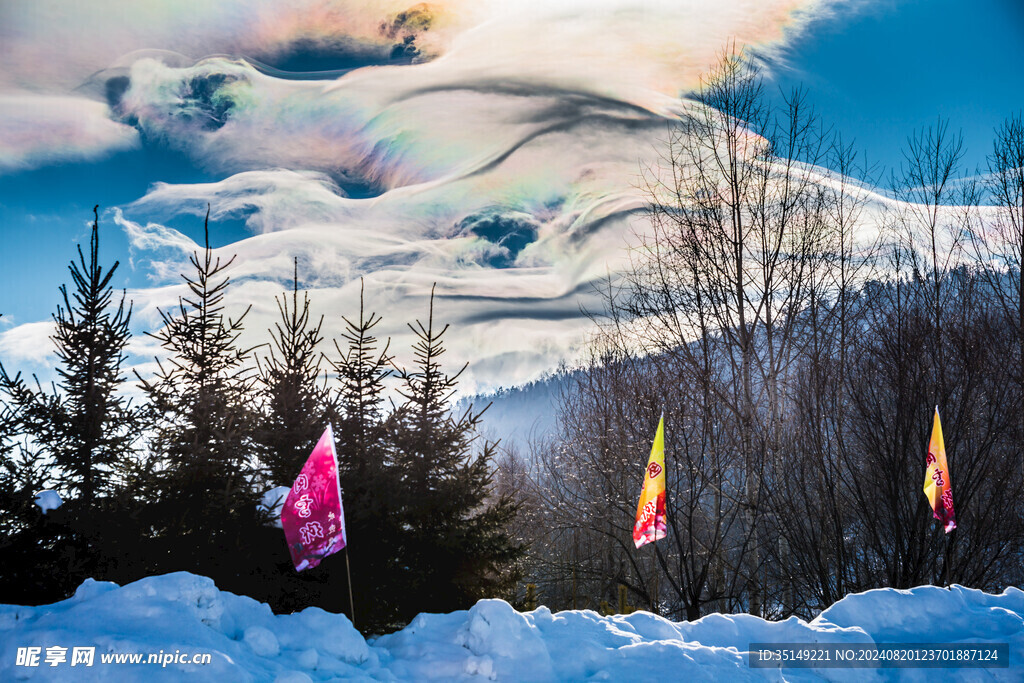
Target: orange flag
[(937, 484), (651, 520)]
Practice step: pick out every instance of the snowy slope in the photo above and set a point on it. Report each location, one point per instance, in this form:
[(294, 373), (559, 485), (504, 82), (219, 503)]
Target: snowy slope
[(182, 614)]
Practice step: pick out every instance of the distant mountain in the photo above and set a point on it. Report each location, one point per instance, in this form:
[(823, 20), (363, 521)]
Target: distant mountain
[(519, 415)]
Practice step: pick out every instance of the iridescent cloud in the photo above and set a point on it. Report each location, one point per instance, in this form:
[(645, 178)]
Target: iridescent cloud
[(36, 130), (490, 147)]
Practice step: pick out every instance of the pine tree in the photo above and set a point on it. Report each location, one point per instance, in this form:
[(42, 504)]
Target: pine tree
[(454, 542), (27, 541), (367, 481), (200, 489), (295, 398), (362, 372), (22, 471), (84, 424), (91, 338), (81, 433)]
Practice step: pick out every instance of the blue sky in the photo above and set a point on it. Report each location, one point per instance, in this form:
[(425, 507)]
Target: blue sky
[(45, 212), (385, 171), (881, 71)]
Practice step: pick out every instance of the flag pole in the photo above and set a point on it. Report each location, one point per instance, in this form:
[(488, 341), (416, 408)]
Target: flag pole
[(348, 574), (945, 561), (945, 543), (938, 490)]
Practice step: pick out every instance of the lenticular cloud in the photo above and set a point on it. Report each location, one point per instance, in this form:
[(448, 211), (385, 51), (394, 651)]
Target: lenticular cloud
[(491, 147), (45, 129)]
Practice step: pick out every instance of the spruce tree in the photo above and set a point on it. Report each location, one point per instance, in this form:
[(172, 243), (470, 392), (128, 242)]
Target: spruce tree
[(200, 491), (295, 398), (27, 541), (361, 372), (81, 432), (454, 542), (90, 339), (23, 471), (367, 482), (83, 424)]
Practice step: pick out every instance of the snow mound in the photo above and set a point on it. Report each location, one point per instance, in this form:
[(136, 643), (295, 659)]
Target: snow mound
[(180, 615)]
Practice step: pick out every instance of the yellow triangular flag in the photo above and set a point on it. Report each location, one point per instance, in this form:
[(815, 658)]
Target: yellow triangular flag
[(651, 520), (937, 484)]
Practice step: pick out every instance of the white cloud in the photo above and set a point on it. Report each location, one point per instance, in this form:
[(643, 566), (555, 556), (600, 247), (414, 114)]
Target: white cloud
[(503, 169), (166, 250), (58, 43), (27, 343), (511, 324), (273, 200), (40, 129)]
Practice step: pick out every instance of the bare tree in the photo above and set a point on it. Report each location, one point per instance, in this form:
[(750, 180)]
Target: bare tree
[(815, 558), (797, 370), (738, 234), (997, 233)]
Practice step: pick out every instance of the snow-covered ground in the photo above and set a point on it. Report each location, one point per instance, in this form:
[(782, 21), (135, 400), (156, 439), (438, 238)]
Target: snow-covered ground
[(178, 616)]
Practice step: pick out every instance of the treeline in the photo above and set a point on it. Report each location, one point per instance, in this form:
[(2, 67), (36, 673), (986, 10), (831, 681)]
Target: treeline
[(174, 482), (797, 331)]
